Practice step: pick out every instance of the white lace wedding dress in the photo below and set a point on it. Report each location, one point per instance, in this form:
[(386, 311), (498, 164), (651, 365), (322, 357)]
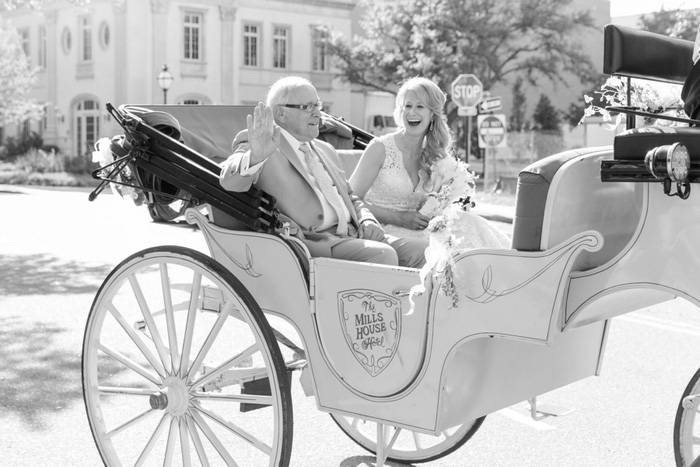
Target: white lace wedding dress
[(393, 189)]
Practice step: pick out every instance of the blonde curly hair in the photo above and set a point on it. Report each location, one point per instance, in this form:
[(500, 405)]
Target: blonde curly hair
[(438, 141)]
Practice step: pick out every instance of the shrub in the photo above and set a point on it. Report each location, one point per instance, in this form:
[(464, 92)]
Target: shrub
[(16, 147)]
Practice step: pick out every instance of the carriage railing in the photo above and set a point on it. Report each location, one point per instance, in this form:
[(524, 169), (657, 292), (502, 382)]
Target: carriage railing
[(155, 152)]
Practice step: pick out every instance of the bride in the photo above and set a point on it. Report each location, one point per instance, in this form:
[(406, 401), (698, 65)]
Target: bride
[(409, 178)]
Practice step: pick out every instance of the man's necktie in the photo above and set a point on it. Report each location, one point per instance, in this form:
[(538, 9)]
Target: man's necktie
[(325, 184)]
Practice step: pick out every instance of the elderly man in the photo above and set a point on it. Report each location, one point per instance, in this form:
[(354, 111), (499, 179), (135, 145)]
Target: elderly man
[(279, 153)]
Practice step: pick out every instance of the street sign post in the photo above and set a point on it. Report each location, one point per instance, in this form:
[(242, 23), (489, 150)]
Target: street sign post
[(467, 92), (492, 134)]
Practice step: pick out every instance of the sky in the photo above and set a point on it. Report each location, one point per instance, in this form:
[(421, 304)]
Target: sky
[(635, 7)]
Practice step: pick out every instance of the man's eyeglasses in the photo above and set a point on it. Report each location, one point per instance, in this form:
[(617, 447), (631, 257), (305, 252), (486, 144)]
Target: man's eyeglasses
[(306, 107)]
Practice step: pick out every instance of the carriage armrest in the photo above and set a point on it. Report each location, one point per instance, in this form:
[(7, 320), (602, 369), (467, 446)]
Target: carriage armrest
[(641, 54)]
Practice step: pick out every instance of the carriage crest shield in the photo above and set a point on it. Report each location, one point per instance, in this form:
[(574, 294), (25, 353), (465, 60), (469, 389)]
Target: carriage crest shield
[(371, 323)]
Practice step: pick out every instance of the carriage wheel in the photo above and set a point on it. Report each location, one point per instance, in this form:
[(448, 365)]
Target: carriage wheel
[(180, 367), (409, 446), (686, 430)]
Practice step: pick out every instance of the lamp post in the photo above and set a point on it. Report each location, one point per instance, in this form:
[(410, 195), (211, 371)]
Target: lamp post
[(165, 79)]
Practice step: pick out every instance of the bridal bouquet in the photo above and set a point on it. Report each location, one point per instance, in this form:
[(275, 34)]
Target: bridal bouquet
[(648, 96), (454, 187)]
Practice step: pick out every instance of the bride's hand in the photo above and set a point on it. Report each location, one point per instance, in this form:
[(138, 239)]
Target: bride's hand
[(414, 220)]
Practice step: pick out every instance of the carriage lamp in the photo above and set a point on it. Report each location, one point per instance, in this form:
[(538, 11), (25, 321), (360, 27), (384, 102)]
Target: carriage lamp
[(670, 163), (164, 80)]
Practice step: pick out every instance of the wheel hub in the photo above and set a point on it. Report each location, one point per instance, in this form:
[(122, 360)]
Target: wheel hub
[(173, 397)]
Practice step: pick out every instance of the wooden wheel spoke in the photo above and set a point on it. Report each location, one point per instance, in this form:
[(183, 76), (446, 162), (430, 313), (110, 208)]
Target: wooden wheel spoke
[(239, 398), (151, 442), (169, 318), (196, 440), (236, 430), (236, 359), (213, 334), (129, 423), (213, 439), (125, 391), (170, 446), (148, 318), (129, 363), (189, 325), (417, 441), (184, 442), (137, 340)]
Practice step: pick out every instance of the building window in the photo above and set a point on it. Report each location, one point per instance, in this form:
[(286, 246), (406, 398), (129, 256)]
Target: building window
[(24, 41), (66, 40), (87, 126), (191, 102), (42, 47), (251, 39), (192, 28), (318, 53), (104, 35), (85, 38), (280, 43)]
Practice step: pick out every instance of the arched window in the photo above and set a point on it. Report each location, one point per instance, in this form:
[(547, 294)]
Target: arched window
[(87, 126)]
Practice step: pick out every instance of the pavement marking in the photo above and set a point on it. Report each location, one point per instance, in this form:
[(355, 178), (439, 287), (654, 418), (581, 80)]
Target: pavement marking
[(660, 323), (525, 420)]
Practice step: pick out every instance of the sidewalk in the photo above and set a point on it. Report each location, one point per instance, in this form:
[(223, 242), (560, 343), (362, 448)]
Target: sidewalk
[(495, 212)]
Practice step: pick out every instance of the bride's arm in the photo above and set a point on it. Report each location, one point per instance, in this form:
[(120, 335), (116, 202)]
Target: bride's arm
[(367, 168)]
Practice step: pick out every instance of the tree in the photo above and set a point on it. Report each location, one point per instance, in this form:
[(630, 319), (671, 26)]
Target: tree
[(439, 39), (676, 23), (16, 80), (517, 115), (546, 117), (35, 4)]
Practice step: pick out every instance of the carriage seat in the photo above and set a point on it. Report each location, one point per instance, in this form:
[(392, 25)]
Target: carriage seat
[(633, 144), (349, 158), (562, 195)]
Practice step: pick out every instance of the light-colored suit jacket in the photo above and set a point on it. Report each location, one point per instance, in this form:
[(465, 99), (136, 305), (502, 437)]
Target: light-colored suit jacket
[(284, 177)]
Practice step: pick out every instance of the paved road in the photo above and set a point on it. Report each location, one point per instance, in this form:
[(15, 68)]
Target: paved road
[(56, 248)]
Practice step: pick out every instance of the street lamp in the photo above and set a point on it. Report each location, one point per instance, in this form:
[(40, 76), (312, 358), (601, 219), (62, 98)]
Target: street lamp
[(165, 79)]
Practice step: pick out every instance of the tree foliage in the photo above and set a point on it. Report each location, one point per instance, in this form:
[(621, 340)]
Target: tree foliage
[(34, 4), (16, 80), (517, 121), (546, 117), (676, 23), (439, 39)]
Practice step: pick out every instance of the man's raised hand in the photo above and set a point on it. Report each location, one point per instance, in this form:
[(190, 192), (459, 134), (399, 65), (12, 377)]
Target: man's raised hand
[(263, 133)]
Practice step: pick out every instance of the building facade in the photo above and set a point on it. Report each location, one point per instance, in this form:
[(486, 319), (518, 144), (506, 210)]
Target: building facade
[(218, 52)]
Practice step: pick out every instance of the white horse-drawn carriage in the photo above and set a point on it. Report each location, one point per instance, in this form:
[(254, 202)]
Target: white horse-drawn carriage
[(187, 358)]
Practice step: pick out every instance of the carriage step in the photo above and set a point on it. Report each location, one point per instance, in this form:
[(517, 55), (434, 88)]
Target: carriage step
[(542, 411)]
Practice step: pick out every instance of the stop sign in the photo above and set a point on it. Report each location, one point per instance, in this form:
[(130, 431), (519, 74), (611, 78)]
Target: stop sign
[(467, 90)]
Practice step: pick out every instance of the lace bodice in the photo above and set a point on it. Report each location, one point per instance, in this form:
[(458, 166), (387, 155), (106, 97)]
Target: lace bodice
[(393, 187)]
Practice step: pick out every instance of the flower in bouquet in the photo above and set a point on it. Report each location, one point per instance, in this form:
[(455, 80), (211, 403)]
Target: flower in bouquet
[(454, 185), (123, 178), (648, 96)]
